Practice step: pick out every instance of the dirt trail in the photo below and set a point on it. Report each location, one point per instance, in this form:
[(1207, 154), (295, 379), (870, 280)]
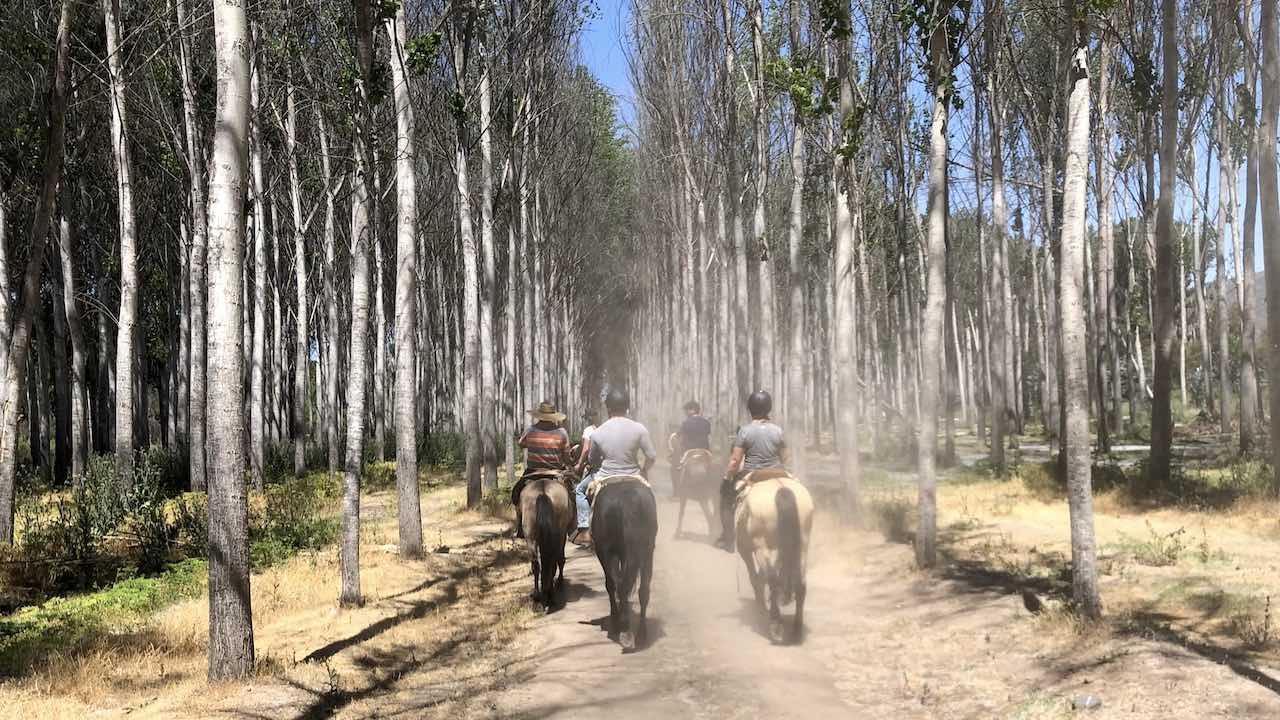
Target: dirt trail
[(707, 658)]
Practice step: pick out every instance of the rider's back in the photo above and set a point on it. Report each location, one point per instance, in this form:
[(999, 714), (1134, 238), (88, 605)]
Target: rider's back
[(616, 444)]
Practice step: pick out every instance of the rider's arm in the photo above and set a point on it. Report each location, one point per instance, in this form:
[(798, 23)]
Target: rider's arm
[(650, 454), (735, 460), (565, 447), (582, 456)]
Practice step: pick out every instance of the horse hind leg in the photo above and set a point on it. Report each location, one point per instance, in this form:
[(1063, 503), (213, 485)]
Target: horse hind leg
[(798, 630), (775, 612), (646, 575), (611, 589), (680, 518)]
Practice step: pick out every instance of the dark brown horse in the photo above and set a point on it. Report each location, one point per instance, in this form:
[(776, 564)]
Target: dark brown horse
[(697, 480), (624, 528)]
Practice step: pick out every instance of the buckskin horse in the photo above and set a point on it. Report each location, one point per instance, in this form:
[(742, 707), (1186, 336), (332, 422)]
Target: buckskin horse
[(773, 520), (548, 515), (624, 529)]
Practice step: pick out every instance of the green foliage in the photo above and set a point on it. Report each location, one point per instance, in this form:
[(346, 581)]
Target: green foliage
[(926, 17), (444, 450), (293, 517), (64, 624), (422, 52)]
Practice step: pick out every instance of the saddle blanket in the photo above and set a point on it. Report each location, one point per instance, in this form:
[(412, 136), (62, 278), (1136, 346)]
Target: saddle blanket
[(601, 482)]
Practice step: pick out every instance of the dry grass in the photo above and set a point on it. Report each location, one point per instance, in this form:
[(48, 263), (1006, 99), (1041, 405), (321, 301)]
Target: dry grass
[(310, 655)]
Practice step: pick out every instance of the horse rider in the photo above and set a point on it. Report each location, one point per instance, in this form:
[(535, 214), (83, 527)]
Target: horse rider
[(589, 417), (695, 431), (759, 444), (546, 450), (612, 452)]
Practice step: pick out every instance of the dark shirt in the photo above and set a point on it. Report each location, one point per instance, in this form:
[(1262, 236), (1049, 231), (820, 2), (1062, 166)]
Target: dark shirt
[(695, 433)]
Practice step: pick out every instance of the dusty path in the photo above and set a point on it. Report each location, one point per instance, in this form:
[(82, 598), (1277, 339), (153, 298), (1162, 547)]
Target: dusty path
[(706, 660), (883, 641)]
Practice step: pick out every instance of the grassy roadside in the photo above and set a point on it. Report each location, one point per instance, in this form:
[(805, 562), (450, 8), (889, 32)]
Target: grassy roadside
[(147, 660)]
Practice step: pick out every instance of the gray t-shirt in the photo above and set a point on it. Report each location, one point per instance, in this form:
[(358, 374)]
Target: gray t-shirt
[(615, 444), (762, 445)]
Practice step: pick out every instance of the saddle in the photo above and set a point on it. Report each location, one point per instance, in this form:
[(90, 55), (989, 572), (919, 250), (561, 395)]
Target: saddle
[(602, 482), (695, 455), (744, 483), (566, 478)]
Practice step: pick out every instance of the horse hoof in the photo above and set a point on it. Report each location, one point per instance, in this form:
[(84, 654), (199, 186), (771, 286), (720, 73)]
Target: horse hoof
[(627, 640), (776, 632)]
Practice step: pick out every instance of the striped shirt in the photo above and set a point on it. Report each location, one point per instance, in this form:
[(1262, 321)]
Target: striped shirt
[(545, 447)]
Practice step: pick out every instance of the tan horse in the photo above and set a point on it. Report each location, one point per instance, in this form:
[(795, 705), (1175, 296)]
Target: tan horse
[(698, 481), (773, 521), (548, 515)]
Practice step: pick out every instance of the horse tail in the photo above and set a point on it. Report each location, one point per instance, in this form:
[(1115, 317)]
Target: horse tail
[(790, 542), (545, 529)]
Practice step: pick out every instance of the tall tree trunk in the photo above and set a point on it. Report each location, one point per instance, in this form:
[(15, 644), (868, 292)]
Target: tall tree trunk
[(332, 334), (471, 297), (765, 377), (379, 323), (1161, 409), (126, 318), (257, 381), (1071, 296), (847, 221), (1248, 359), (1202, 317), (1225, 176), (406, 416), (926, 534), (1108, 388), (230, 615), (361, 238), (1000, 321), (795, 365), (75, 329), (488, 296), (1269, 204), (301, 340), (197, 271)]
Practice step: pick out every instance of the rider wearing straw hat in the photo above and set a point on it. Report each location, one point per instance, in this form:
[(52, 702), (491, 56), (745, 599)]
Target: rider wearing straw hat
[(546, 446)]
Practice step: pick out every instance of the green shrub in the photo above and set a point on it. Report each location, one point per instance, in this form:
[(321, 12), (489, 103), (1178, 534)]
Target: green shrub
[(67, 623), (295, 517), (444, 450)]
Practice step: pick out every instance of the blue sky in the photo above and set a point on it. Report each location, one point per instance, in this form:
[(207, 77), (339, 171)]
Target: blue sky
[(602, 52)]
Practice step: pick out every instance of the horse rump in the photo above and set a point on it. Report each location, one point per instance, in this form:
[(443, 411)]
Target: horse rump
[(624, 529), (549, 539)]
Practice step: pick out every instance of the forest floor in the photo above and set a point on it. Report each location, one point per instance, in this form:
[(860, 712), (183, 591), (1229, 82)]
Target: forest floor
[(1189, 631)]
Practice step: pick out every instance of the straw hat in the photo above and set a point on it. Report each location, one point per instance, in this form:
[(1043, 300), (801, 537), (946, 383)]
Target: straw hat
[(546, 412)]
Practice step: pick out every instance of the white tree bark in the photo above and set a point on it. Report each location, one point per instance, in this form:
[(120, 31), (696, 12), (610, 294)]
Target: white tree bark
[(361, 238), (1269, 205), (406, 415), (230, 615), (197, 266), (301, 348), (126, 318), (1071, 313), (488, 294), (931, 346), (257, 380)]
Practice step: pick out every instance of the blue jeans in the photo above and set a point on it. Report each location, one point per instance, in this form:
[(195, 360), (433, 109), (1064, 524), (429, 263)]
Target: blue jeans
[(584, 508)]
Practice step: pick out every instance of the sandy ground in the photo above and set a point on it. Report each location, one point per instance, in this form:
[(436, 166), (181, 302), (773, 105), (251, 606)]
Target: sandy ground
[(454, 635)]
